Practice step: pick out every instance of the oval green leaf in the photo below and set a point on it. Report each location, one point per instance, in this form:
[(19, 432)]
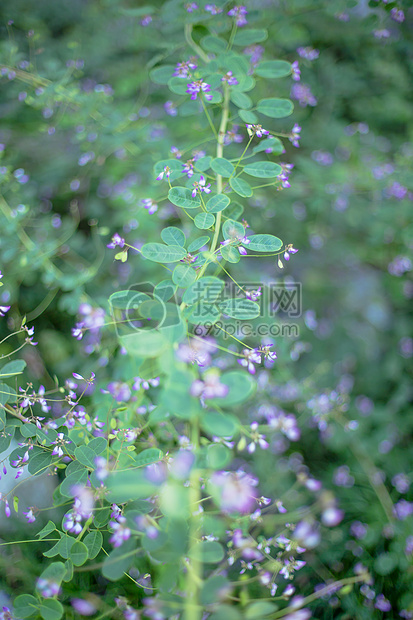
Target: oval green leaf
[(173, 236), (263, 169), (217, 203), (241, 187), (182, 197), (222, 166), (273, 69), (275, 108), (203, 221), (159, 253), (264, 243)]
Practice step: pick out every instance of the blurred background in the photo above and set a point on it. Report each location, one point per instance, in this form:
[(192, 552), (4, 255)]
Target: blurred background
[(77, 111)]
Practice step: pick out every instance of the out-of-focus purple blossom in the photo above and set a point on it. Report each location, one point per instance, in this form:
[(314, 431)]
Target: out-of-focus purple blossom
[(382, 33), (290, 566), (256, 52), (402, 509), (4, 309), (198, 86), (166, 172), (191, 6), (146, 20), (302, 93), (256, 130), (342, 17), (83, 607), (396, 190), (332, 516), (295, 136), (101, 471), (295, 71), (382, 603), (406, 347), (170, 108), (308, 53), (324, 158), (47, 587), (213, 9), (236, 491), (399, 266), (229, 79), (121, 392), (146, 525), (253, 295), (200, 186), (233, 136), (285, 423), (117, 241), (175, 151), (397, 15), (239, 12), (121, 532), (181, 464), (408, 549), (210, 387), (188, 168), (145, 383), (307, 534), (150, 205), (342, 477), (197, 350), (401, 482), (250, 357)]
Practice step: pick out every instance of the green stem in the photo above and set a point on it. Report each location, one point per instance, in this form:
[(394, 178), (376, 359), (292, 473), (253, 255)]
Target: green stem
[(191, 43)]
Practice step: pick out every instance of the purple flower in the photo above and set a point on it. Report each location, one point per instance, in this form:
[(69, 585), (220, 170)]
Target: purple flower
[(250, 357), (289, 250), (4, 309), (233, 136), (59, 443), (295, 71), (257, 130), (239, 13), (30, 516), (121, 532), (198, 86), (213, 9), (83, 608), (47, 587), (183, 69), (196, 350), (146, 20), (121, 392), (382, 603), (210, 387), (199, 186), (145, 384), (166, 172), (149, 204), (285, 174), (403, 509), (332, 516), (229, 79), (381, 34), (397, 15), (170, 108), (253, 295), (188, 168), (257, 439), (236, 492), (308, 53), (256, 52), (295, 135), (264, 349), (191, 6), (302, 93), (117, 240)]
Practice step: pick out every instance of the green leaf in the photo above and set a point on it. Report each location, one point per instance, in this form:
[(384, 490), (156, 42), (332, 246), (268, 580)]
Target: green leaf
[(55, 571), (273, 69), (64, 545), (184, 275), (46, 530), (222, 166), (269, 143), (162, 75), (182, 197), (264, 243), (241, 100), (6, 436), (217, 203), (146, 457), (175, 395), (124, 486), (260, 609), (178, 86), (78, 553), (241, 387), (119, 560), (207, 551), (231, 254), (203, 221), (250, 36), (70, 482), (14, 367), (245, 84), (226, 612), (165, 290), (173, 236), (207, 288), (159, 253), (220, 424), (203, 163), (25, 605), (218, 456), (240, 308), (214, 589), (275, 108), (233, 230), (6, 393), (263, 169), (238, 64), (385, 563), (241, 187), (175, 166), (248, 117), (174, 500), (234, 211), (51, 609), (86, 456), (198, 243), (98, 445), (93, 542), (214, 44)]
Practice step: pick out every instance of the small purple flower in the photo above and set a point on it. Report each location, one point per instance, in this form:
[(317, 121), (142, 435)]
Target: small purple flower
[(121, 392), (332, 516), (30, 516), (256, 439), (117, 240), (270, 356), (257, 130), (146, 20), (188, 168), (198, 86), (101, 471), (381, 34), (210, 387), (83, 607), (236, 492), (150, 205), (308, 53), (239, 13), (250, 357), (213, 9), (145, 384), (4, 309), (253, 295), (229, 79), (397, 15), (302, 93), (295, 71), (382, 603), (166, 172), (402, 509), (295, 135), (199, 186), (233, 136), (289, 250), (183, 69), (47, 587), (121, 532), (191, 6), (170, 108), (59, 444)]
